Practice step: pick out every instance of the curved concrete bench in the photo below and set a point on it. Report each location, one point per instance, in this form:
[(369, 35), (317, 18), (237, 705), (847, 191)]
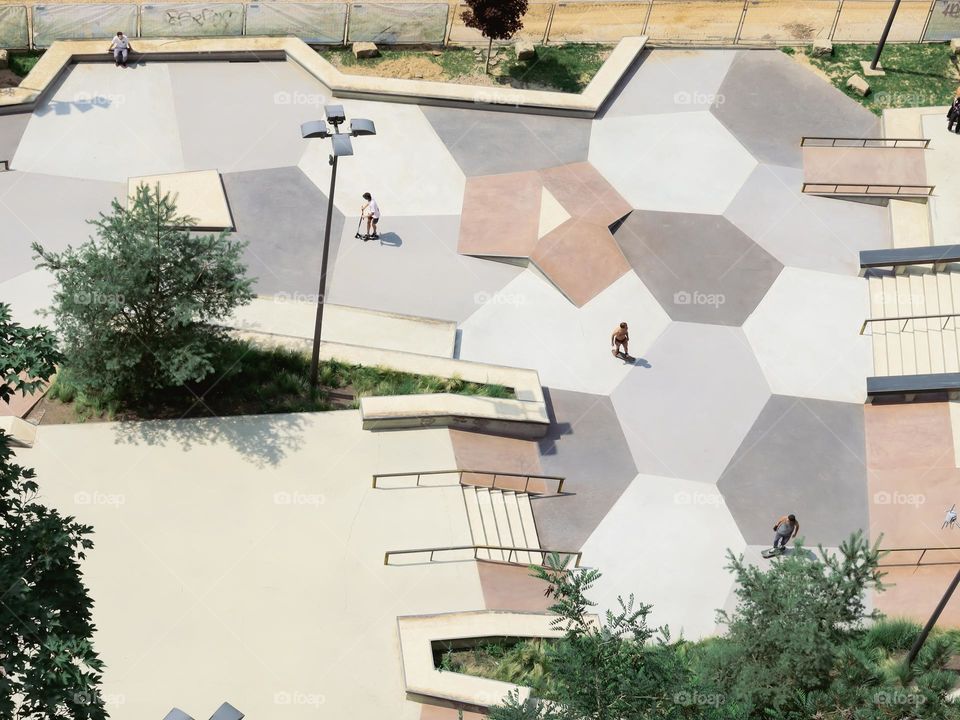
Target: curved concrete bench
[(424, 681), (63, 53)]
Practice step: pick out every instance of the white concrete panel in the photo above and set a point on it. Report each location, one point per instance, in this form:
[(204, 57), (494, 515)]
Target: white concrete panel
[(687, 528), (405, 166), (680, 162), (531, 324), (105, 123), (805, 335)]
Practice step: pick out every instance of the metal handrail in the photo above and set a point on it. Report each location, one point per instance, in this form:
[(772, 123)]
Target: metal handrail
[(863, 142), (460, 473), (927, 189), (576, 554), (923, 551), (908, 318)]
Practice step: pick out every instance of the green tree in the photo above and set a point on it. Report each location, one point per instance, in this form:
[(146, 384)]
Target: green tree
[(28, 356), (135, 305), (793, 619), (48, 667), (495, 19)]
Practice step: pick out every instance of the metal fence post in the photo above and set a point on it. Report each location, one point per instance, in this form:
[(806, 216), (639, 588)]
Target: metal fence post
[(549, 27), (451, 19), (926, 24), (836, 20), (346, 23), (743, 16), (646, 20)]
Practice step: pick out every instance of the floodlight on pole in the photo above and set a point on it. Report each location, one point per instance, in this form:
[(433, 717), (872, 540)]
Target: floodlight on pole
[(342, 146)]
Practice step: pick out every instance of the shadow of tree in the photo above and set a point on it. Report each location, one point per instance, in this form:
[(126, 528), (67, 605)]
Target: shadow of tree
[(260, 439)]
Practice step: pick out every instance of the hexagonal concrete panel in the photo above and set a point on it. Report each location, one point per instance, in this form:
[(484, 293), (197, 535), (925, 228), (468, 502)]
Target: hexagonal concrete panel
[(281, 214), (686, 584), (804, 230), (95, 116), (804, 335), (585, 445), (405, 166), (486, 142), (769, 101), (700, 267), (804, 457), (679, 162), (531, 324), (671, 80), (685, 415), (414, 268)]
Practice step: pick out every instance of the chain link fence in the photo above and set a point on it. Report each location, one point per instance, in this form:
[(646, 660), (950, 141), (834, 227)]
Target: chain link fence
[(665, 22)]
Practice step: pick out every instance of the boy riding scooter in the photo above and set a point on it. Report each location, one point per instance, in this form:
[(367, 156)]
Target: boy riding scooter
[(371, 211)]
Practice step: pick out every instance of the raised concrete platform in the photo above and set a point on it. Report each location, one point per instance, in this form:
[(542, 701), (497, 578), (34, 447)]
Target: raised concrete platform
[(586, 104), (422, 680), (198, 195), (880, 170), (20, 432), (289, 316)]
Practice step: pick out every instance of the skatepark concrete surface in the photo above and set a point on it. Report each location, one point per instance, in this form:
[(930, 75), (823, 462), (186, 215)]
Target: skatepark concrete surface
[(241, 559)]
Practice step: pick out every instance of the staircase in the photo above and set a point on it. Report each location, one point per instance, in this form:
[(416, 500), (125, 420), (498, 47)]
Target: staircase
[(918, 345), (504, 519)]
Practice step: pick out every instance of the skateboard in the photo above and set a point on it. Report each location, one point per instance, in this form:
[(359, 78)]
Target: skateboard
[(626, 358), (771, 552)]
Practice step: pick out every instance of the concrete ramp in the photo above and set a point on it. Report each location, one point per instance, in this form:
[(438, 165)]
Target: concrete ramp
[(865, 167)]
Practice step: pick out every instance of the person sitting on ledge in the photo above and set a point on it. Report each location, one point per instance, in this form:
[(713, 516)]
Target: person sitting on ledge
[(120, 47)]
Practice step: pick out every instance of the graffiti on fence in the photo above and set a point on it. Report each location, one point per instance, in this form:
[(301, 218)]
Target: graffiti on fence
[(206, 18), (191, 20)]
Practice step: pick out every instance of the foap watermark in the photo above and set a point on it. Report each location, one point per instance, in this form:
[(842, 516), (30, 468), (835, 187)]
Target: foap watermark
[(685, 297), (881, 297), (899, 498), (285, 297), (98, 498), (898, 698), (299, 98), (697, 98), (493, 96), (299, 498), (298, 697), (96, 298), (685, 497), (94, 698), (98, 99), (499, 298), (695, 697)]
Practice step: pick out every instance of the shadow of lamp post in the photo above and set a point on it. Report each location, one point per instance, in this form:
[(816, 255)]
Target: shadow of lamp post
[(342, 147)]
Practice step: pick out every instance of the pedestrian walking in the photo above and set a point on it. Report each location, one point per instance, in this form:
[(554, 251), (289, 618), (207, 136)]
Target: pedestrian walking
[(120, 47), (371, 211), (953, 116)]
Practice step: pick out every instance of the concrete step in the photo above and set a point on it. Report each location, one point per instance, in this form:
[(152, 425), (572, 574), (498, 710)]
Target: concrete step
[(529, 524), (503, 523), (910, 223), (489, 523), (474, 519), (517, 535)]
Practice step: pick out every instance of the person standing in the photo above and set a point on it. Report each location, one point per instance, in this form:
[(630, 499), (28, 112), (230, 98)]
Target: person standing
[(120, 47), (953, 116), (371, 211), (785, 529), (620, 339)]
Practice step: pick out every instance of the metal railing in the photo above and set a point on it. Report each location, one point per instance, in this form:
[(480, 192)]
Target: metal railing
[(474, 550), (920, 560), (875, 190), (907, 318), (496, 475), (847, 142)]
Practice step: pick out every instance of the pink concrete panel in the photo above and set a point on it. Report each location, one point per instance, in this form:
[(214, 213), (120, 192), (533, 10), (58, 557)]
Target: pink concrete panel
[(914, 593), (581, 258), (867, 166), (511, 587), (585, 193), (478, 451), (914, 435), (501, 215), (908, 506)]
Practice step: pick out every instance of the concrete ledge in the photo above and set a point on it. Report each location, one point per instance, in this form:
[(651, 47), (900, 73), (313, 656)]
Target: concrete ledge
[(587, 104), (419, 632), (20, 432)]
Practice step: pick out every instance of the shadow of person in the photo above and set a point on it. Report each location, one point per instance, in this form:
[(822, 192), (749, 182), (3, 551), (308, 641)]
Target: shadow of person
[(641, 362), (390, 239)]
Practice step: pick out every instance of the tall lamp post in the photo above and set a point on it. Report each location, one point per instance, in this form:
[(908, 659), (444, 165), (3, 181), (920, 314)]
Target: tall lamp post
[(883, 36), (342, 147)]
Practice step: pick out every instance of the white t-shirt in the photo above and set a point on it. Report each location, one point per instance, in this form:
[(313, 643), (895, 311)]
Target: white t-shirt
[(120, 42), (373, 210)]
